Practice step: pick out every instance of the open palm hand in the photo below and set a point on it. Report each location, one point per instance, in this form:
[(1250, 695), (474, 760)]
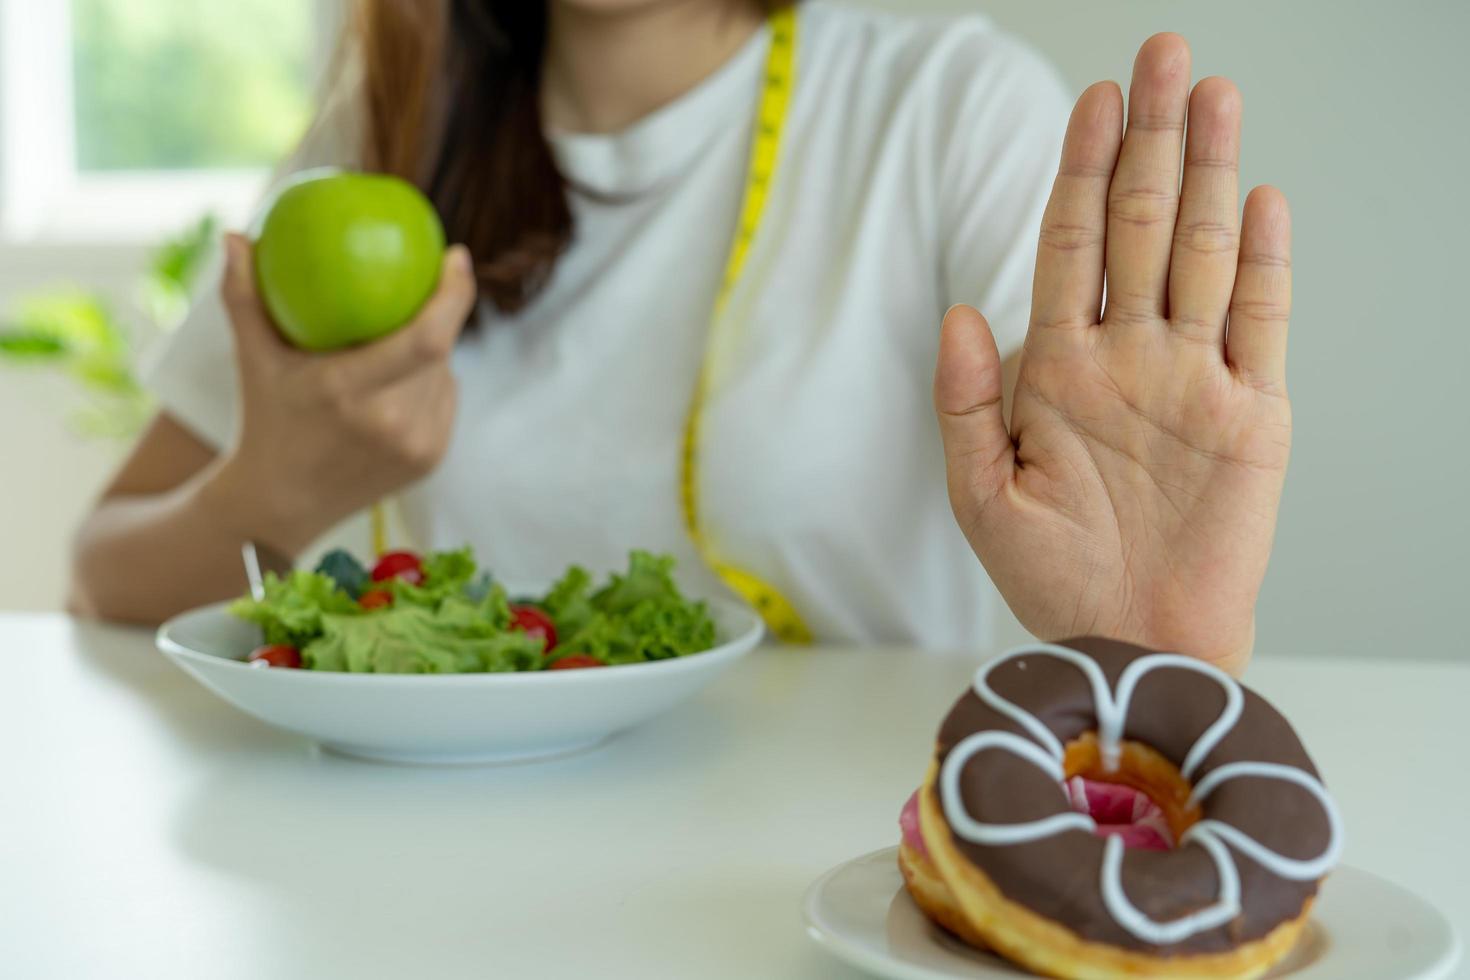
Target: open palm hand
[(1134, 492)]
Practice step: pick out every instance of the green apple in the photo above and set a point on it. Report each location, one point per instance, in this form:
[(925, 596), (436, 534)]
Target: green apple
[(345, 258)]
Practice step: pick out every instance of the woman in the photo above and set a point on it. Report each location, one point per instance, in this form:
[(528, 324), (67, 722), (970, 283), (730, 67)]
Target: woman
[(593, 156)]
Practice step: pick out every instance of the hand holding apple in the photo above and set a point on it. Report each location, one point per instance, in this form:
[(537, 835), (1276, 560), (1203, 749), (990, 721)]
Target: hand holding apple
[(324, 435)]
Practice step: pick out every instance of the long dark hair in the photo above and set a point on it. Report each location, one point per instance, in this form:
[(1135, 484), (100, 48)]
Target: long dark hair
[(452, 104), (451, 100)]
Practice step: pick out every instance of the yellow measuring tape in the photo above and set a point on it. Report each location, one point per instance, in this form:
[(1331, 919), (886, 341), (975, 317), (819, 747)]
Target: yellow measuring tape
[(779, 614), (379, 518)]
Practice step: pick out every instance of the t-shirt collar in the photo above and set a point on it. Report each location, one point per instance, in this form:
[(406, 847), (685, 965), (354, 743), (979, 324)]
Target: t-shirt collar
[(663, 143)]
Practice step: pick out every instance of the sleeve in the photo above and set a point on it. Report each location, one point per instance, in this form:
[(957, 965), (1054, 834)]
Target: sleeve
[(191, 370), (1007, 113)]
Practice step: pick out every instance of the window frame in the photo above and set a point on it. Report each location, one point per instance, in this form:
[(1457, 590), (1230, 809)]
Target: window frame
[(45, 200)]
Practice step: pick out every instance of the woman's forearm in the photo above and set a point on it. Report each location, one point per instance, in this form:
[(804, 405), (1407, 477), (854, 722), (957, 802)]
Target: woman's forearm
[(321, 436), (141, 558)]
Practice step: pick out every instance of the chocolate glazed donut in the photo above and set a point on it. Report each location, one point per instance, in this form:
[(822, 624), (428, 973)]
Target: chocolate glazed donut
[(1259, 831)]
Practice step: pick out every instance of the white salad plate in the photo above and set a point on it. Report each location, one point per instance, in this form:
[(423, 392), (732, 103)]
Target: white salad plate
[(1362, 928), (448, 718)]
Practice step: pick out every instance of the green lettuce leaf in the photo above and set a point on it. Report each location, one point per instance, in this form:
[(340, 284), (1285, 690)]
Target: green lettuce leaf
[(670, 627), (414, 640), (569, 603), (649, 577), (492, 611), (651, 630), (446, 573), (294, 606), (636, 617), (449, 569)]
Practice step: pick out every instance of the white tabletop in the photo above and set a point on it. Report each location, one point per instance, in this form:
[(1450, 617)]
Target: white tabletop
[(149, 830)]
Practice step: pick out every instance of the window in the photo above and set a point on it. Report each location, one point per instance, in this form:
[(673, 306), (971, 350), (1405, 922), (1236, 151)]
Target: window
[(123, 120)]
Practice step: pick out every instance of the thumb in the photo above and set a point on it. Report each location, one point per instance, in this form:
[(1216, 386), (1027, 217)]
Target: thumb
[(249, 321), (979, 456)]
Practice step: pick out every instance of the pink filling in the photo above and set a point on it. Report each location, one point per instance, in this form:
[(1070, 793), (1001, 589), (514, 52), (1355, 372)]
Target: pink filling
[(1119, 811), (908, 822), (1123, 812)]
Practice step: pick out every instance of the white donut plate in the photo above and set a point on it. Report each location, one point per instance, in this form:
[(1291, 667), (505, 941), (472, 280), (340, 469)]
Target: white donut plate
[(1362, 928)]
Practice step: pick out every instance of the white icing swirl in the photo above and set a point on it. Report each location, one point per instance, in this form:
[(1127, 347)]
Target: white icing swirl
[(1026, 719), (1277, 864), (1226, 905), (1000, 833), (1112, 715), (1110, 733)]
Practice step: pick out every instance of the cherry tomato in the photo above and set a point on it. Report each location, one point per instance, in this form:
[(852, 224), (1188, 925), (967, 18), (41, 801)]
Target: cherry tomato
[(375, 599), (534, 622), (402, 565), (275, 655), (574, 660)]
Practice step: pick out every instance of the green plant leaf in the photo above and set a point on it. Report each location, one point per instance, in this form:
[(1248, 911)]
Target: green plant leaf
[(75, 331), (177, 261), (105, 372), (19, 345), (173, 269), (74, 317)]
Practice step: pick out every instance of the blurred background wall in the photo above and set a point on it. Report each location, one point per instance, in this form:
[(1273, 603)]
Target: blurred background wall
[(1355, 109)]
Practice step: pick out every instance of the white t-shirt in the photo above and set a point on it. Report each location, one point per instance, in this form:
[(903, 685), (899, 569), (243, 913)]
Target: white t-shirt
[(915, 162)]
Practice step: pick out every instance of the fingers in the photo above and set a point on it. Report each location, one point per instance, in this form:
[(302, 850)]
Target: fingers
[(1067, 290), (413, 418), (979, 456), (1144, 199), (1207, 234), (427, 339), (255, 335), (1261, 304)]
